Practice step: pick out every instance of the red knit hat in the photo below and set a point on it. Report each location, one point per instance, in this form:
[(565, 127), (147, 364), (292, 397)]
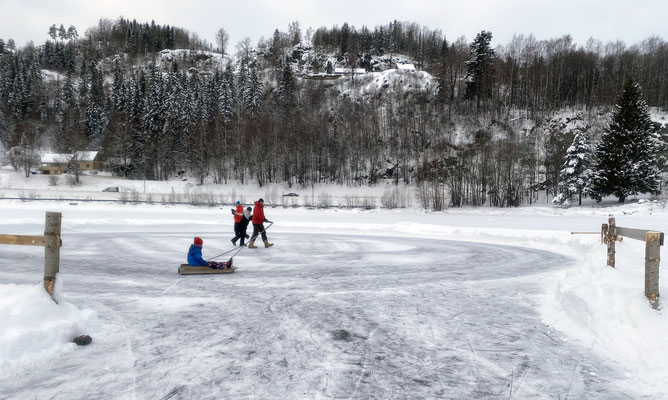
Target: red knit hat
[(198, 241)]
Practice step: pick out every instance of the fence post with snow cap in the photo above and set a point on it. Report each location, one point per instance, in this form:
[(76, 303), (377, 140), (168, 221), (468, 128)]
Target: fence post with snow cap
[(653, 242), (51, 242)]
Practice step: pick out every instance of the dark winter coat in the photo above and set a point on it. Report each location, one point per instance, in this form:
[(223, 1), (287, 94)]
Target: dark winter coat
[(195, 256), (258, 213), (245, 219)]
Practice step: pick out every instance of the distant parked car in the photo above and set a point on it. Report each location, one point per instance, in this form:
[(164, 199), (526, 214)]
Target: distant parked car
[(291, 195), (111, 189)]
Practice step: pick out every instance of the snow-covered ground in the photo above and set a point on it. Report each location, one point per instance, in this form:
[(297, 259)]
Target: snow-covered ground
[(467, 303)]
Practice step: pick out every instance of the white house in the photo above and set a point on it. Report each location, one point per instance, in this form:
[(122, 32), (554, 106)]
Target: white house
[(347, 71), (56, 164), (406, 67)]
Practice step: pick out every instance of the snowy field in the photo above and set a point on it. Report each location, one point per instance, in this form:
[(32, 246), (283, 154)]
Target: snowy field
[(463, 304)]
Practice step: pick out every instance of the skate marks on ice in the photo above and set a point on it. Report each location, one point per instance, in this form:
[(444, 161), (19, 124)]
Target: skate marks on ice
[(317, 316)]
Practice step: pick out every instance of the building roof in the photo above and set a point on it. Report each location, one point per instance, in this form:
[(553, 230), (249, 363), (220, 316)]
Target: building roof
[(54, 158), (86, 155), (343, 71), (407, 67)]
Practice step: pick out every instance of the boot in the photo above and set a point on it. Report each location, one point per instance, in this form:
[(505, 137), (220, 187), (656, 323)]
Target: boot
[(267, 244), (251, 245)]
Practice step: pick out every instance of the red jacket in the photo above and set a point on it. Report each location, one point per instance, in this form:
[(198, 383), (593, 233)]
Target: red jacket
[(240, 210), (258, 213)]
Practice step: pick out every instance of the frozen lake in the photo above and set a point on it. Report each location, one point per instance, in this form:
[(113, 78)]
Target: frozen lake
[(335, 313)]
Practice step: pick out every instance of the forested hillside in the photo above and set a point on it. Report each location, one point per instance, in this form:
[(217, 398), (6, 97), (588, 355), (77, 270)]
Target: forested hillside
[(478, 123)]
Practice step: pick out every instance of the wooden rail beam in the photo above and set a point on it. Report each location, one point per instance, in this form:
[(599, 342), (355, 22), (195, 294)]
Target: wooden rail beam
[(23, 240), (27, 240), (638, 234), (52, 244)]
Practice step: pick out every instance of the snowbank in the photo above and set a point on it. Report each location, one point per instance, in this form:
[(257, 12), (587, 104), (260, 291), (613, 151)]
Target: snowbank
[(606, 310), (34, 327), (414, 81)]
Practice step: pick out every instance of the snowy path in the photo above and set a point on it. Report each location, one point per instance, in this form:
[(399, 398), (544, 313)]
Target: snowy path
[(316, 316)]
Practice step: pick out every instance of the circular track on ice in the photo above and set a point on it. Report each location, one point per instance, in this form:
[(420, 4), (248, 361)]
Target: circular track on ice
[(315, 316), (412, 260)]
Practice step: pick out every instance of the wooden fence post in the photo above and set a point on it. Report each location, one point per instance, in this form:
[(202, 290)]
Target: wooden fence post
[(612, 237), (51, 250), (652, 258)]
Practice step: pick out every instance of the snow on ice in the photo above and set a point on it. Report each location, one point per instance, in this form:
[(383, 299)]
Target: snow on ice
[(467, 303)]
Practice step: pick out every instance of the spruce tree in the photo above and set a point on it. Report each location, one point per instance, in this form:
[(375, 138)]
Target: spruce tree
[(576, 173), (628, 152), (254, 91), (479, 68), (225, 101), (286, 84), (443, 91), (242, 85)]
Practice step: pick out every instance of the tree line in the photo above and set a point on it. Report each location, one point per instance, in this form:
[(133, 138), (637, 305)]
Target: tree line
[(256, 119)]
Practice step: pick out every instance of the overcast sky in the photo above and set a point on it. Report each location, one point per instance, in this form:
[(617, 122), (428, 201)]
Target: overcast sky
[(628, 20)]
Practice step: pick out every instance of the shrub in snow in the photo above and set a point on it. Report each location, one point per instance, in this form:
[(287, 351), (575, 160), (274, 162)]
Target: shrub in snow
[(390, 198), (270, 196), (73, 180), (134, 196), (352, 201), (324, 200), (368, 202), (174, 197), (53, 180), (395, 198)]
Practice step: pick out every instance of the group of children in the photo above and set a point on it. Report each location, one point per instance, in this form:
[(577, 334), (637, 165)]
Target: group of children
[(241, 220)]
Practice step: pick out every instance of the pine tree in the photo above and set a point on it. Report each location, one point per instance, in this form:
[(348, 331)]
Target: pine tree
[(286, 84), (253, 98), (118, 88), (479, 68), (95, 118), (576, 173), (627, 155), (443, 91)]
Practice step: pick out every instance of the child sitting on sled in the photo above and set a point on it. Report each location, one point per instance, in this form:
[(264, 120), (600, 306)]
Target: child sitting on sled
[(195, 257)]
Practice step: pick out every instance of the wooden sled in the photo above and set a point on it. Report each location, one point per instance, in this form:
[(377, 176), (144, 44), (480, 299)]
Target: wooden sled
[(186, 269)]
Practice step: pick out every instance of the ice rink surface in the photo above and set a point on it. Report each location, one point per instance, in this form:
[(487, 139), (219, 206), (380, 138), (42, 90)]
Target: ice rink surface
[(325, 313)]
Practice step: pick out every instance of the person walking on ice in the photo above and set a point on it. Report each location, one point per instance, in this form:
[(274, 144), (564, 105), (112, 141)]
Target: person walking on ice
[(245, 220), (195, 257), (238, 216), (258, 227)]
